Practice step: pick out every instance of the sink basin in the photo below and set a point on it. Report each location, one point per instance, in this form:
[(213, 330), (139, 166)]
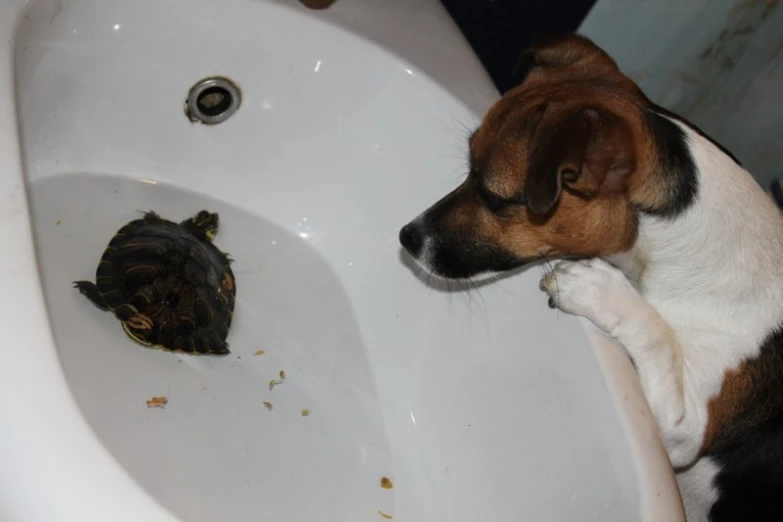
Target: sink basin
[(475, 405)]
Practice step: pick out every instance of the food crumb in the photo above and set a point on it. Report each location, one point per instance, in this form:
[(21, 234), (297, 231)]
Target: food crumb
[(273, 383), (282, 375), (59, 221), (305, 413), (384, 515), (259, 352), (386, 483), (268, 405), (157, 402)]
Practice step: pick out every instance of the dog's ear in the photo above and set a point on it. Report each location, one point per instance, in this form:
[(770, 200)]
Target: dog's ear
[(582, 151), (562, 51), (525, 63)]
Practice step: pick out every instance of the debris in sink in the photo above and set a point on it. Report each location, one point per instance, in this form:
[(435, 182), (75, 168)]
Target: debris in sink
[(282, 375), (305, 413), (384, 515), (386, 483), (268, 405), (259, 352), (157, 402), (167, 283), (59, 222), (273, 383)]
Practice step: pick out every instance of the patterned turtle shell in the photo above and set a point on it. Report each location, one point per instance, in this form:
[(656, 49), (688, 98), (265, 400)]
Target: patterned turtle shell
[(168, 284)]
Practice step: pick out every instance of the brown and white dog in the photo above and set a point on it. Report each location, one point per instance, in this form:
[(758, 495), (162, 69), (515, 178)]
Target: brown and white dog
[(667, 244)]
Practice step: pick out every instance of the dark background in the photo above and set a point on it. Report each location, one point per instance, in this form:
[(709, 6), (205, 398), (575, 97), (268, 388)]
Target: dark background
[(499, 30)]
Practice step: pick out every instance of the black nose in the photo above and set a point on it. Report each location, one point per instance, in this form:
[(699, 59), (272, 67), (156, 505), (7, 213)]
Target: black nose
[(411, 238)]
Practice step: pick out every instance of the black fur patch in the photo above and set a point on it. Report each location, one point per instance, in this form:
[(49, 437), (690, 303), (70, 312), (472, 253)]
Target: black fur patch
[(457, 255), (525, 63), (750, 482), (678, 167), (750, 452), (697, 130), (461, 258)]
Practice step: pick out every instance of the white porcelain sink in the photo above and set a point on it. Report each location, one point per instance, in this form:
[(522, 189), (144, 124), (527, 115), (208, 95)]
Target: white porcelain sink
[(480, 406)]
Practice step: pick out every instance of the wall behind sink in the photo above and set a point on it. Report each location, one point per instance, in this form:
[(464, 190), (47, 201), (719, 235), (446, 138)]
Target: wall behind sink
[(718, 63)]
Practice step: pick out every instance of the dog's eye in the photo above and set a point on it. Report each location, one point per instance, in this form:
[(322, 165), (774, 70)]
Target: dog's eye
[(494, 203), (497, 204)]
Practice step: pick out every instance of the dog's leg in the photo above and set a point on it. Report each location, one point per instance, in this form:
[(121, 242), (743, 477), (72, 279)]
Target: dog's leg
[(601, 293)]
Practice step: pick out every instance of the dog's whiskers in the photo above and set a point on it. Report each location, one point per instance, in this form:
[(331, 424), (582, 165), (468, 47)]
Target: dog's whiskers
[(554, 275), (483, 306), (465, 130)]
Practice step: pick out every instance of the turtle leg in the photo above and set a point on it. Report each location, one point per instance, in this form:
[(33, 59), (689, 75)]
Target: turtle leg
[(91, 292), (203, 343), (191, 340), (222, 349), (214, 344)]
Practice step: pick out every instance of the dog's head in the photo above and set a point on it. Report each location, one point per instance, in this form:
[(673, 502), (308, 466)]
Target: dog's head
[(556, 168)]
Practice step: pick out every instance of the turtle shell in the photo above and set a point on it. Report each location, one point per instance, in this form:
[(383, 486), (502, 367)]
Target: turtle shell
[(168, 284)]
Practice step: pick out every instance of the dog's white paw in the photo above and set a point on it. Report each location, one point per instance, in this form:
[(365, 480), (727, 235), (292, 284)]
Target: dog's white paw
[(593, 289)]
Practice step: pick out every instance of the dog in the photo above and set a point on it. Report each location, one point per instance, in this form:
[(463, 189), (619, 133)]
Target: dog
[(665, 242)]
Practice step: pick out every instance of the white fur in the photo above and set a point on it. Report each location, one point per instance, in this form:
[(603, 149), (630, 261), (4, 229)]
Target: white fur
[(697, 296), (427, 252), (697, 491)]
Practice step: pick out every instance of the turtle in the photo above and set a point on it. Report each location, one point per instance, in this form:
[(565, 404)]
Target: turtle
[(168, 284)]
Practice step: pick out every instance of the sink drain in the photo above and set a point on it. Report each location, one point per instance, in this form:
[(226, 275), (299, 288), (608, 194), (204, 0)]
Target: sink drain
[(212, 100)]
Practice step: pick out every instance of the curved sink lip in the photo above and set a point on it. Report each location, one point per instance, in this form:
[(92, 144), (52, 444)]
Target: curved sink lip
[(27, 445), (659, 494), (30, 449)]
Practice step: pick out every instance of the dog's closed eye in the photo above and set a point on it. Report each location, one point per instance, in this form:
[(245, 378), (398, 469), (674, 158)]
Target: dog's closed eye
[(495, 203)]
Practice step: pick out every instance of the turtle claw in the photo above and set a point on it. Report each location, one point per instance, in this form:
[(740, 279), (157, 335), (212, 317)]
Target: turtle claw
[(221, 350)]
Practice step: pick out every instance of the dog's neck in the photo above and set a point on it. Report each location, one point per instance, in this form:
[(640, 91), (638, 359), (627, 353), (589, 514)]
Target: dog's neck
[(713, 243)]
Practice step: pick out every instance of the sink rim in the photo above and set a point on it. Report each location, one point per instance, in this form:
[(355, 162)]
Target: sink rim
[(25, 444)]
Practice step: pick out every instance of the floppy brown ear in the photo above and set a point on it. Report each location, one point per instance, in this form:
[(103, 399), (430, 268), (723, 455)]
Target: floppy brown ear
[(582, 151), (562, 51), (572, 51)]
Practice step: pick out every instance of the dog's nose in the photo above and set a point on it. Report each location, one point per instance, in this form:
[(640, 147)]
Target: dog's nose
[(411, 238)]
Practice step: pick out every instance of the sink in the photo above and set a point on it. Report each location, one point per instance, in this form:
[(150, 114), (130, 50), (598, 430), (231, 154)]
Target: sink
[(401, 400)]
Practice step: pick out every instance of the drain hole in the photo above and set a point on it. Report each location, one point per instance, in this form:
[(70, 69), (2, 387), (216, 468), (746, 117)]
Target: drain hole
[(212, 101)]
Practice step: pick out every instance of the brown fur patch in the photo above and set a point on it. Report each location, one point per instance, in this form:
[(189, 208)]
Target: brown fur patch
[(574, 135), (724, 408), (560, 166), (749, 397)]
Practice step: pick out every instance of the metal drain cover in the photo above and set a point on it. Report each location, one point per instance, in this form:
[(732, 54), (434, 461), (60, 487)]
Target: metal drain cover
[(212, 100)]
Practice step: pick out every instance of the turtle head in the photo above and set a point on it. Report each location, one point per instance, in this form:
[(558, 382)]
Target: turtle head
[(204, 222)]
